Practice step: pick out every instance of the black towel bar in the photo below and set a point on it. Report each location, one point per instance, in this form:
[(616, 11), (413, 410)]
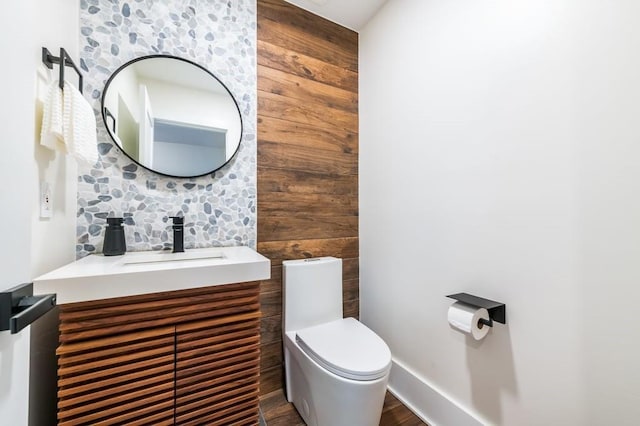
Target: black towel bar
[(64, 60), (19, 307)]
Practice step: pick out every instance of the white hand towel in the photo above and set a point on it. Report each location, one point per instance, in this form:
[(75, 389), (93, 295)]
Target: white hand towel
[(79, 126), (51, 133)]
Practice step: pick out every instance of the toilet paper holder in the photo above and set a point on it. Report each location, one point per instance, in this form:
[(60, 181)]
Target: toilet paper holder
[(497, 310)]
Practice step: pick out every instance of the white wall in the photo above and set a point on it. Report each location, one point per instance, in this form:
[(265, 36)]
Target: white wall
[(500, 155), (186, 105), (30, 245)]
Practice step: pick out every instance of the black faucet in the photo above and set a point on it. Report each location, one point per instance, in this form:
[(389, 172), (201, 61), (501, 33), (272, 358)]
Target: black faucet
[(178, 234)]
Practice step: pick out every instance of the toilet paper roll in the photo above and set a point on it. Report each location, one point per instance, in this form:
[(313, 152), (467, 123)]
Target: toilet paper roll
[(465, 318)]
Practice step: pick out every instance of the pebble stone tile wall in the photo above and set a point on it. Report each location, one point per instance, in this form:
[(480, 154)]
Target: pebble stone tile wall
[(220, 208)]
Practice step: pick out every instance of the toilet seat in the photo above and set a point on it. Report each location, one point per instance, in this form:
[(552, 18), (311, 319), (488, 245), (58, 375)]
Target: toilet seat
[(347, 348)]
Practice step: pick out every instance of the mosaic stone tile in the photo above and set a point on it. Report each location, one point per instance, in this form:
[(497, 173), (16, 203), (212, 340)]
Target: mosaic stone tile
[(219, 208)]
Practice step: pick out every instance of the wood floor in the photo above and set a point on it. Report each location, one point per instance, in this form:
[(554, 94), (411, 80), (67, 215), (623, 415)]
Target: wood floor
[(278, 412)]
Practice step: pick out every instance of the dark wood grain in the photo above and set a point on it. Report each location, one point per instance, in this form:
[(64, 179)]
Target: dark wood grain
[(289, 182), (278, 251), (184, 357), (282, 228), (309, 112), (271, 379), (304, 89), (278, 204), (297, 30), (271, 329), (276, 57), (307, 157), (304, 159)]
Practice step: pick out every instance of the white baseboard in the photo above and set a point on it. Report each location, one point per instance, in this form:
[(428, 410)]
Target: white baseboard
[(432, 406)]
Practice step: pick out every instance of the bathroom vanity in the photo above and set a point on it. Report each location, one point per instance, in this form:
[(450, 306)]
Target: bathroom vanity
[(162, 339)]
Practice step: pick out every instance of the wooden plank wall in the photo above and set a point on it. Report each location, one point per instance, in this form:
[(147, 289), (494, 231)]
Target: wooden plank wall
[(307, 157)]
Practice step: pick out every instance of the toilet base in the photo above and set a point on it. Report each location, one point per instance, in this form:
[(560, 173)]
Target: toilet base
[(332, 400)]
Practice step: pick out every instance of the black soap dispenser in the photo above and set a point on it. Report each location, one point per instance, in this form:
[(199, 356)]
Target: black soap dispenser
[(114, 242)]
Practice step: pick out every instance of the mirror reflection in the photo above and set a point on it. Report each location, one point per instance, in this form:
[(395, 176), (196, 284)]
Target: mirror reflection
[(172, 116)]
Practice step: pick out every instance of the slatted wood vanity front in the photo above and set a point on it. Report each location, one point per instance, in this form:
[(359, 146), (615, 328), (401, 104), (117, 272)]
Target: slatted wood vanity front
[(186, 357)]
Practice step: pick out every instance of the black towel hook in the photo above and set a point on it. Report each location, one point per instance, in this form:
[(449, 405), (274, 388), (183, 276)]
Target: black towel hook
[(64, 60)]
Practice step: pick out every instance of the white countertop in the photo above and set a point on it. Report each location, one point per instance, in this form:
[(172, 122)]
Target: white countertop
[(102, 277)]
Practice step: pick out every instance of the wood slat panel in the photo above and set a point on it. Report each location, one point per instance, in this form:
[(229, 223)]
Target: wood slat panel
[(155, 297), (310, 112), (97, 348), (204, 394), (278, 251), (158, 314), (223, 413), (316, 27), (95, 403), (249, 370), (271, 303), (86, 382), (118, 364), (186, 377), (208, 366), (204, 338), (350, 269), (212, 352), (351, 308), (135, 412), (300, 228), (351, 289), (88, 320), (307, 157), (271, 355), (86, 393), (271, 379), (272, 284), (117, 401), (218, 405), (220, 323), (106, 330), (277, 204), (276, 57), (271, 328), (304, 182), (100, 317), (299, 31), (216, 363), (304, 89), (146, 308)]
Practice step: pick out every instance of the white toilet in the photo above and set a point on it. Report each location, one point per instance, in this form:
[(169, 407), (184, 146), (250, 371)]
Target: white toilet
[(336, 369)]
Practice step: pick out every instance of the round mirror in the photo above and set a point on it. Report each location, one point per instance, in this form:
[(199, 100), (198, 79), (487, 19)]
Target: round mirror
[(171, 116)]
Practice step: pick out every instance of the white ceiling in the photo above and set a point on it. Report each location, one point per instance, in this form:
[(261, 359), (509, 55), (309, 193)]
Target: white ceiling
[(353, 14)]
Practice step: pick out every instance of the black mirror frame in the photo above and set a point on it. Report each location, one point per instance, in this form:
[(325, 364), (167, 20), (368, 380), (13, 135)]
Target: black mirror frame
[(103, 110)]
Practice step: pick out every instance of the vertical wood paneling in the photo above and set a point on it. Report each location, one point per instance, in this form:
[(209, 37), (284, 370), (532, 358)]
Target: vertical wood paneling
[(307, 157)]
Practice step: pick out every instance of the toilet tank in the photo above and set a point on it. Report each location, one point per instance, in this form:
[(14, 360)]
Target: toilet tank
[(311, 292)]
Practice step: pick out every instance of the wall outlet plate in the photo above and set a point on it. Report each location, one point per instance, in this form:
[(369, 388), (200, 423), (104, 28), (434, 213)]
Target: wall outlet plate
[(46, 206)]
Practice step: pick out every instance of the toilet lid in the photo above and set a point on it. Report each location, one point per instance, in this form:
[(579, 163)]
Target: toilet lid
[(346, 347)]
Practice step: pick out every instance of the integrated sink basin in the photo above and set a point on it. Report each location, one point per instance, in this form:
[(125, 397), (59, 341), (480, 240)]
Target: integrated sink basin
[(98, 277), (165, 256)]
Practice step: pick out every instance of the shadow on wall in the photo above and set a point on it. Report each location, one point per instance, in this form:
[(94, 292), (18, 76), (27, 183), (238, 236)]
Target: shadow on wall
[(488, 385)]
